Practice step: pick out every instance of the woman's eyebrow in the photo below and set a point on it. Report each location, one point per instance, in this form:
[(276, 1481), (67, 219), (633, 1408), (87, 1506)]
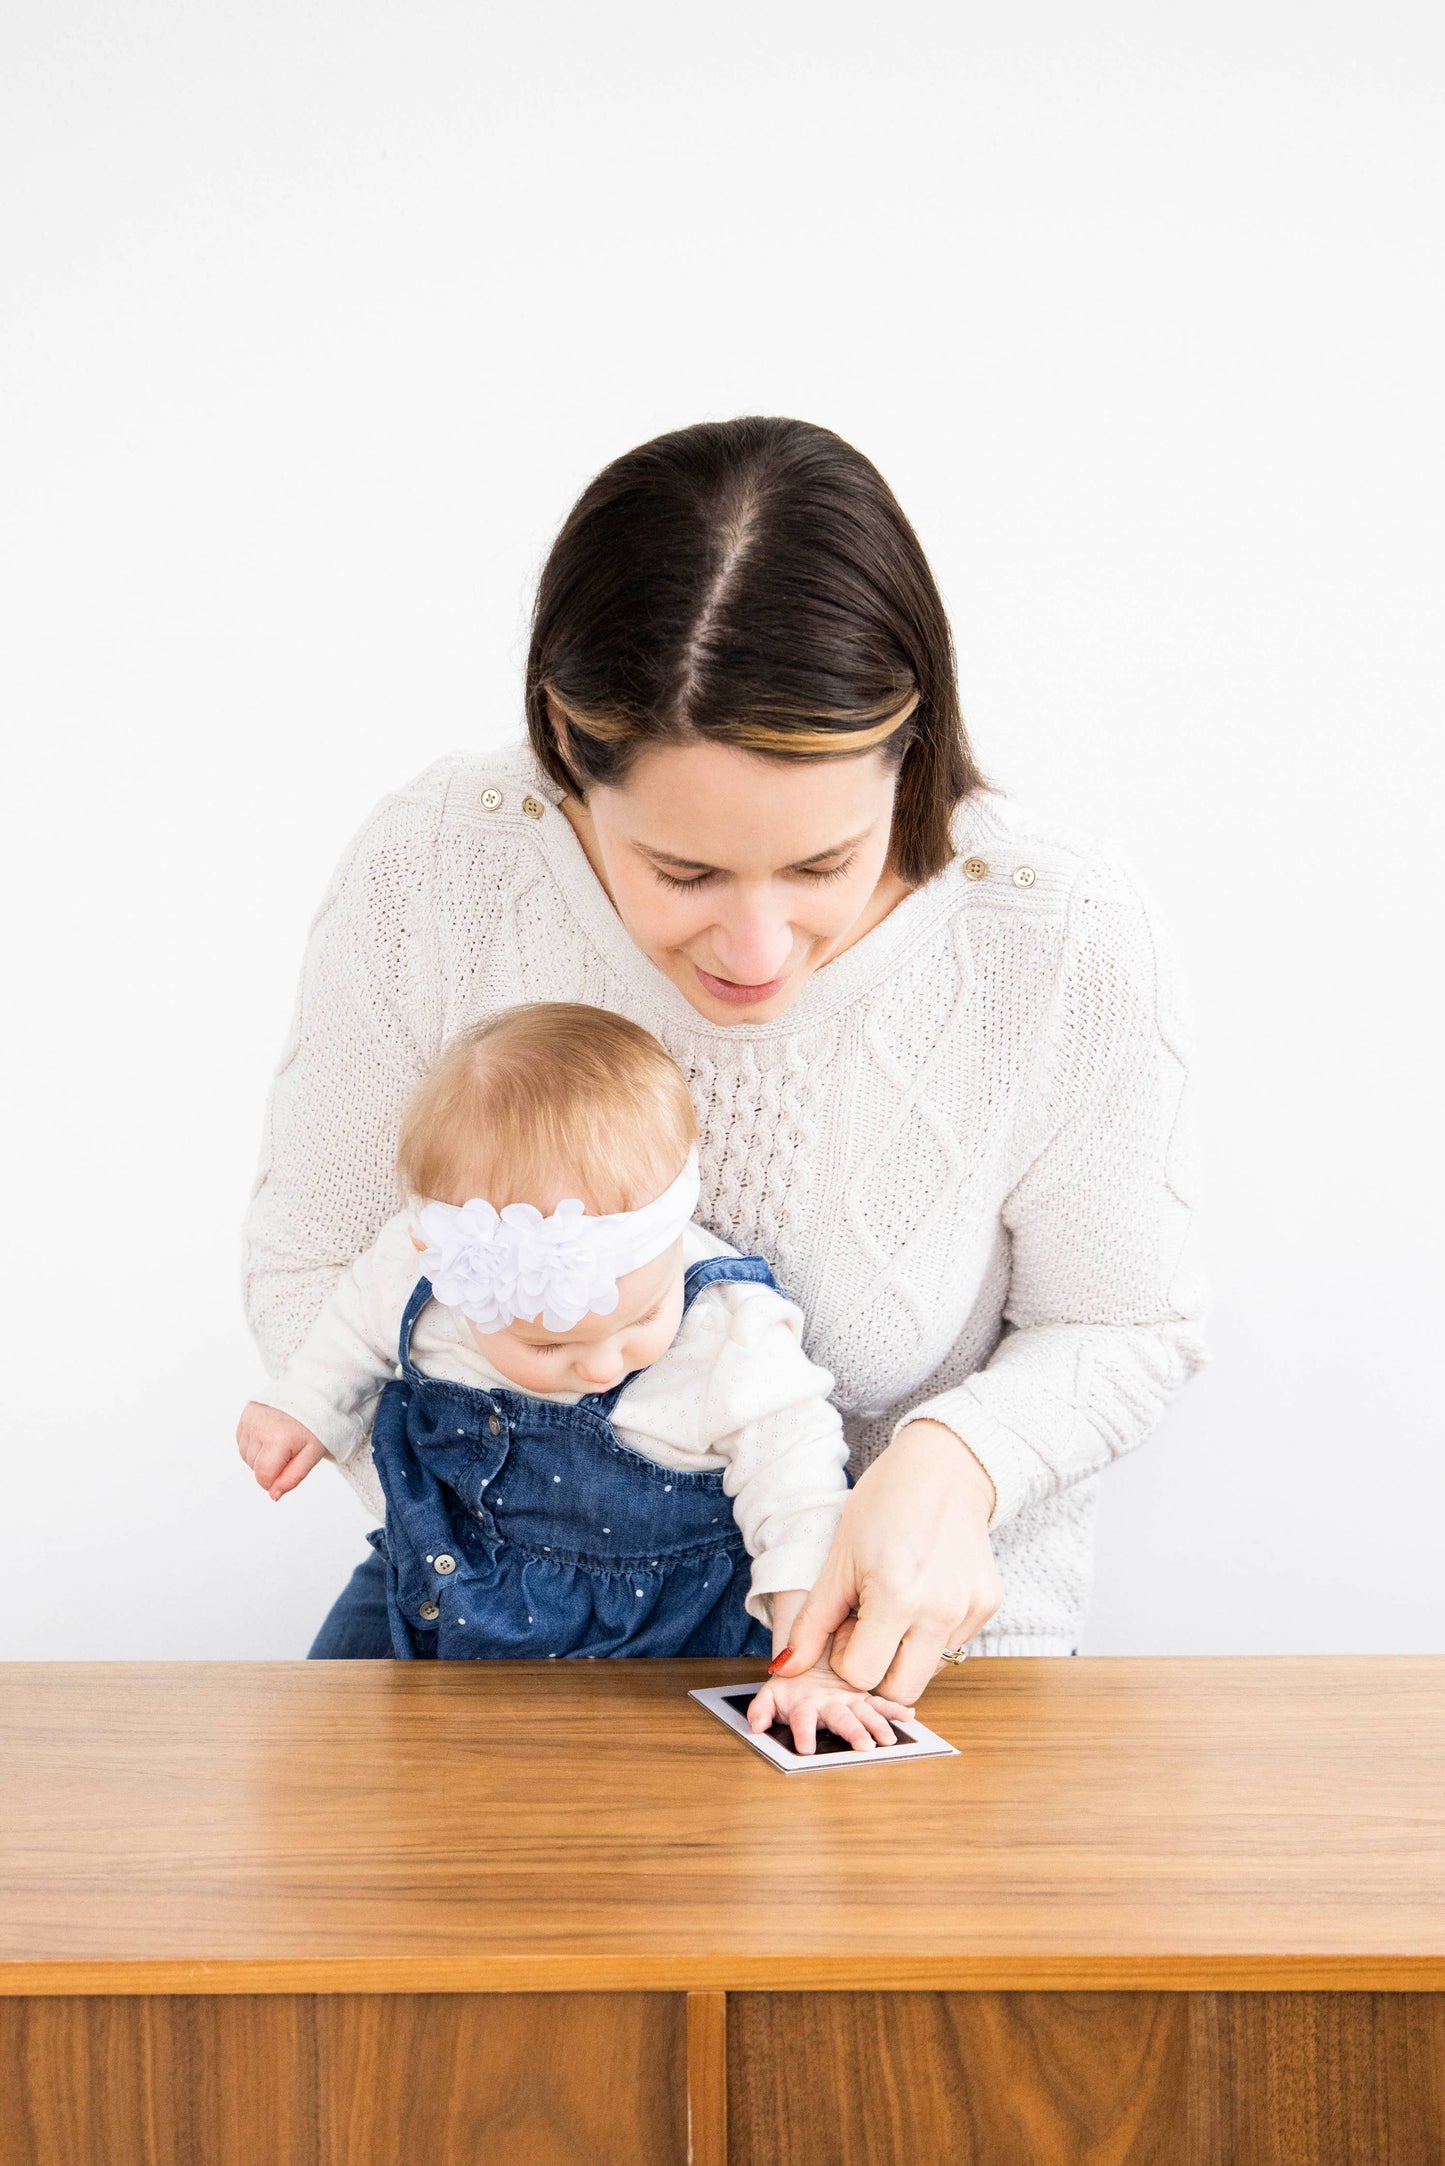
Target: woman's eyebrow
[(695, 864)]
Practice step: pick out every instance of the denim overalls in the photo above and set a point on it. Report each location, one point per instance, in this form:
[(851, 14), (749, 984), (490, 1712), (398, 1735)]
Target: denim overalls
[(518, 1527)]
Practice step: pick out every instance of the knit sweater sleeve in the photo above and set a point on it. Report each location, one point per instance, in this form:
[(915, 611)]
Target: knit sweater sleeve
[(355, 1051), (1106, 1295)]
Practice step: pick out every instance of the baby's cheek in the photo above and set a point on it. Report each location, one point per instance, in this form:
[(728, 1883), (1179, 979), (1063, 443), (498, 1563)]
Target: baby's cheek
[(659, 1340)]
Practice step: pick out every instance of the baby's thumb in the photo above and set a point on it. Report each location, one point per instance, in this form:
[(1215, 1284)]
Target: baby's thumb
[(813, 1627)]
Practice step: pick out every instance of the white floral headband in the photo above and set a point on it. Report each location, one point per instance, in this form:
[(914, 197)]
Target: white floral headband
[(496, 1266)]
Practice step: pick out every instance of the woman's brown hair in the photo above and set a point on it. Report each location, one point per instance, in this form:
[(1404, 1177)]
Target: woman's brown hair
[(752, 583)]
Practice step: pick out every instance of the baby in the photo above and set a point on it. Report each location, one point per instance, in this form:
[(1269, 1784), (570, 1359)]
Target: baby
[(593, 1422)]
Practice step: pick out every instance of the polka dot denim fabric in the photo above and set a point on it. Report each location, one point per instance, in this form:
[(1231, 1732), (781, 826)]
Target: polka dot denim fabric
[(519, 1528)]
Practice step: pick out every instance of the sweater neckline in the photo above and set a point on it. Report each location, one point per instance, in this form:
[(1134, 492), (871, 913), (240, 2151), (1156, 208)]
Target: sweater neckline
[(854, 973)]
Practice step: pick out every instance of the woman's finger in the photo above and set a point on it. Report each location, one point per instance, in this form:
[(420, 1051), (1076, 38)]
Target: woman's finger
[(814, 1625), (917, 1659), (877, 1631)]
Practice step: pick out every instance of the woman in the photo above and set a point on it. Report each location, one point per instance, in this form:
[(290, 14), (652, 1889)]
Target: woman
[(935, 1050)]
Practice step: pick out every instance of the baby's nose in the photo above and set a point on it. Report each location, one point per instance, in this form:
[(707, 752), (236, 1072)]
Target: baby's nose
[(597, 1375)]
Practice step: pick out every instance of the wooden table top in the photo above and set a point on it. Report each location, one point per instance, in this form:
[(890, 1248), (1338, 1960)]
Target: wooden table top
[(419, 1827)]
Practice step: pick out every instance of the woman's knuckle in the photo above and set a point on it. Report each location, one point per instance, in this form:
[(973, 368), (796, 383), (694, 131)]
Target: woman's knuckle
[(891, 1587)]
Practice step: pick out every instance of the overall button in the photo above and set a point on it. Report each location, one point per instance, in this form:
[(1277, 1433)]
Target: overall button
[(445, 1564), (430, 1611), (532, 809), (1024, 876), (975, 868), (494, 1427), (491, 799)]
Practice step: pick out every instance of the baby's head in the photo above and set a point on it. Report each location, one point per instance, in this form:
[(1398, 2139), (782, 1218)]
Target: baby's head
[(540, 1105)]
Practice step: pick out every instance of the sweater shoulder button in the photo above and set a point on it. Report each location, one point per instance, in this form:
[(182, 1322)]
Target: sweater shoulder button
[(491, 799)]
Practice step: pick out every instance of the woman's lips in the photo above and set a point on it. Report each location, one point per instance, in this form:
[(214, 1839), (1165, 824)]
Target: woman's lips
[(739, 996)]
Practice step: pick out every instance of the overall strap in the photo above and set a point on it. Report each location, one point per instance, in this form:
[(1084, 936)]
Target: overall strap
[(751, 1270), (420, 1296)]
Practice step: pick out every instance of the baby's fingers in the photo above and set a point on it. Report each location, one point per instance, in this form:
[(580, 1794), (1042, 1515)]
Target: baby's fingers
[(268, 1460), (873, 1722), (763, 1712), (848, 1719), (804, 1723), (296, 1470), (895, 1708)]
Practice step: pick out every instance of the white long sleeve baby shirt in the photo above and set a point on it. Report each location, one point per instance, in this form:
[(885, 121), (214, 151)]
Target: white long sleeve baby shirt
[(966, 1146), (734, 1392)]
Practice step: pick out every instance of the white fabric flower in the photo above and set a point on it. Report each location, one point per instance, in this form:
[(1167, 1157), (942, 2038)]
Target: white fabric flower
[(497, 1266)]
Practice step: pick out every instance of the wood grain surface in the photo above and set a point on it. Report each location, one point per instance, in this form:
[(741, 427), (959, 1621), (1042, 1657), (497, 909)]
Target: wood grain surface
[(390, 1827), (707, 2079), (1087, 2079), (344, 2080)]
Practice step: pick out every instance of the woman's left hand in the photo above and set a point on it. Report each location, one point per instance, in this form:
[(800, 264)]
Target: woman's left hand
[(912, 1557)]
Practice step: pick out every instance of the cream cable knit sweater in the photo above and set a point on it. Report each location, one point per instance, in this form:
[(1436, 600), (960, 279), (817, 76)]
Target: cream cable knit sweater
[(964, 1149)]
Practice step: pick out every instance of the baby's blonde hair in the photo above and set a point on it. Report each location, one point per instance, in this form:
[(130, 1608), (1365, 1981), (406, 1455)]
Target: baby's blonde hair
[(544, 1095)]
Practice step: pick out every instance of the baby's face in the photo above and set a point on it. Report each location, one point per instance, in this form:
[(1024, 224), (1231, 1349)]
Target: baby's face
[(601, 1350)]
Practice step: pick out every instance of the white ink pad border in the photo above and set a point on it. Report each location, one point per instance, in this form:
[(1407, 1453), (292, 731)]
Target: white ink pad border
[(915, 1741)]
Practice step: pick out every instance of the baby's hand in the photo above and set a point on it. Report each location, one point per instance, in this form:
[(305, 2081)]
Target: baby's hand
[(819, 1695), (279, 1450)]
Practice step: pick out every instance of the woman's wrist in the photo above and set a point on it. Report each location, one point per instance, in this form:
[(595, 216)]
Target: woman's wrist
[(935, 1437)]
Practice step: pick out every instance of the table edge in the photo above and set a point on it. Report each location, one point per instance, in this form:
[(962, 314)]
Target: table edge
[(1098, 1973)]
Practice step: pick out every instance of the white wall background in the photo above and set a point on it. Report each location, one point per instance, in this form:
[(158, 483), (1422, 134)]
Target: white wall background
[(315, 318)]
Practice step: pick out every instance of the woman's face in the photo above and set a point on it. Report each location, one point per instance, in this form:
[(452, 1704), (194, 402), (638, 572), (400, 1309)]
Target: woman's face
[(739, 876)]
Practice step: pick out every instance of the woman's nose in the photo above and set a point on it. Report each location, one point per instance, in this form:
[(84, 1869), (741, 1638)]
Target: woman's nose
[(752, 944)]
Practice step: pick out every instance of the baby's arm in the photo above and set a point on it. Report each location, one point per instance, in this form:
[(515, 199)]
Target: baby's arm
[(771, 1418), (321, 1403)]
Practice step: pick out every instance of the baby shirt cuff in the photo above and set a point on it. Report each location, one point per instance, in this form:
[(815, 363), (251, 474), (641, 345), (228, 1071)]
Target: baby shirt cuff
[(792, 1565)]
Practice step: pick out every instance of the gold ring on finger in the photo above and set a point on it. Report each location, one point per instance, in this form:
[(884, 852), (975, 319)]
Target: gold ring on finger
[(954, 1654)]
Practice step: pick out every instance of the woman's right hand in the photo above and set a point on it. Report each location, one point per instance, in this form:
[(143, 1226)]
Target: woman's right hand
[(279, 1450), (911, 1571)]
